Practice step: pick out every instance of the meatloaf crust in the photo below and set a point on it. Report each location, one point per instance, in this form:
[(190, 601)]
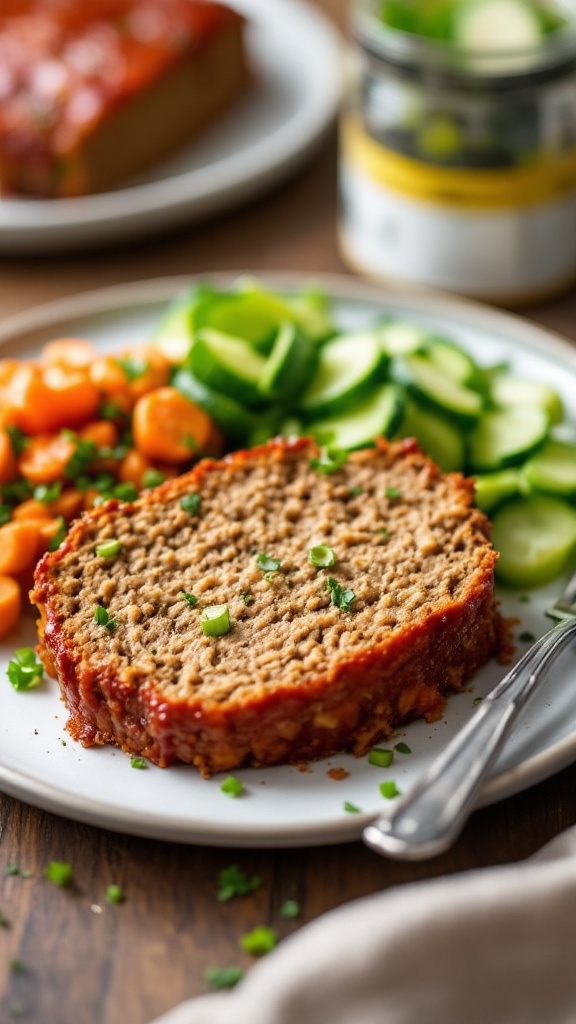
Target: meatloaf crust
[(93, 91), (297, 677)]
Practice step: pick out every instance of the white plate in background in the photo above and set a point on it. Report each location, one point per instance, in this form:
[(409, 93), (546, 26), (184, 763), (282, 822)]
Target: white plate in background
[(283, 806), (297, 60)]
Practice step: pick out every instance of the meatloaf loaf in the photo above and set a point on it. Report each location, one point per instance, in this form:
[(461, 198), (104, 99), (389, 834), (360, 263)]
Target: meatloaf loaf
[(92, 91), (318, 658)]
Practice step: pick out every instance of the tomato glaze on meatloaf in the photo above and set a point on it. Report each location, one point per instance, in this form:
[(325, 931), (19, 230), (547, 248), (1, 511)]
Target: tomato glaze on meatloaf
[(297, 677)]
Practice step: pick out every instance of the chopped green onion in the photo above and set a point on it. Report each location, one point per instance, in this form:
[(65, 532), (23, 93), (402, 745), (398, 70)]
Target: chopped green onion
[(223, 977), (392, 493), (259, 941), (24, 670), (232, 786), (402, 748), (351, 808), (322, 556), (18, 439), (110, 411), (290, 909), (215, 620), (266, 563), (380, 757), (138, 762), (191, 503), (60, 534), (527, 638), (329, 460), (152, 478), (114, 894), (247, 597), (102, 617), (84, 454), (389, 789), (190, 599), (125, 492), (132, 367), (108, 549), (340, 596), (355, 492), (477, 701), (234, 882), (47, 492), (59, 872)]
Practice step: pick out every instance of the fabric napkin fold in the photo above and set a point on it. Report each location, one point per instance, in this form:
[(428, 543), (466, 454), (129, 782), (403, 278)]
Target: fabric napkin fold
[(493, 946)]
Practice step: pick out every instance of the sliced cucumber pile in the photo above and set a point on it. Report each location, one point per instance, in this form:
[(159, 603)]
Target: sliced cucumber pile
[(263, 364), (476, 26)]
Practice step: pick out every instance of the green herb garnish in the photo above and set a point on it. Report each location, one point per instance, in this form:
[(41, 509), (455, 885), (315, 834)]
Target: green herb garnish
[(232, 786), (259, 941), (5, 514), (83, 455), (330, 460), (24, 670), (322, 556), (234, 882), (114, 894), (223, 977), (12, 869), (153, 478), (191, 503), (380, 757), (108, 549), (125, 492), (215, 620), (527, 638), (247, 597), (132, 367), (351, 808), (402, 748), (102, 617), (47, 492), (290, 909), (392, 493), (266, 563), (340, 596), (355, 492), (60, 535), (190, 599), (59, 872), (18, 439), (477, 701), (138, 762), (389, 789)]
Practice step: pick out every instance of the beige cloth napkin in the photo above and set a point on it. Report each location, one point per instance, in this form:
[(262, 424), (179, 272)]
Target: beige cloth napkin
[(495, 946)]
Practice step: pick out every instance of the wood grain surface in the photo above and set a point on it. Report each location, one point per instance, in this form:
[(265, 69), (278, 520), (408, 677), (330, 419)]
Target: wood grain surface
[(68, 957)]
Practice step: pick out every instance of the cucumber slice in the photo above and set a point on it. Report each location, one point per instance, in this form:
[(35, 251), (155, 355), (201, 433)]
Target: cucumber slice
[(536, 538), (428, 384), (507, 390), (227, 364), (174, 334), (311, 311), (399, 338), (347, 368), (438, 437), (496, 26), (230, 416), (505, 437), (452, 360), (377, 416), (290, 365), (492, 489), (552, 469), (251, 314)]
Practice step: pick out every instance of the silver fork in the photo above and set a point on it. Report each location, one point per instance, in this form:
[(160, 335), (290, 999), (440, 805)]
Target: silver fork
[(429, 818)]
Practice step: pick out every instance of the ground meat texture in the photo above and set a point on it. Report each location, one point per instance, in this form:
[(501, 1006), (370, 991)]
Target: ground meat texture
[(297, 677)]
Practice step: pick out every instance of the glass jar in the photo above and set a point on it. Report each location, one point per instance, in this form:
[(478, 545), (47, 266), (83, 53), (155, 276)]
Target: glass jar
[(458, 171)]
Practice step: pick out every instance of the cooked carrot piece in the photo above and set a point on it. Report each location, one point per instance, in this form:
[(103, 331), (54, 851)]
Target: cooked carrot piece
[(8, 463), (133, 466), (45, 458), (48, 530), (68, 504), (168, 427), (103, 433), (49, 400), (145, 369), (31, 509), (107, 375), (73, 353), (10, 604), (89, 497), (20, 544)]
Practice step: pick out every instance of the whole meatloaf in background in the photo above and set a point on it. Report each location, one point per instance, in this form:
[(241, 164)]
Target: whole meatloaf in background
[(316, 659)]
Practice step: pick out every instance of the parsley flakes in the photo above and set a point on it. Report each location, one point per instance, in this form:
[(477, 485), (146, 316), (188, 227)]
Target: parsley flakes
[(232, 881), (342, 597)]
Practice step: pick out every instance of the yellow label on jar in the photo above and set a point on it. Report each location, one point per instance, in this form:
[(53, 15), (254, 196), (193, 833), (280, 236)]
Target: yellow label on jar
[(549, 178)]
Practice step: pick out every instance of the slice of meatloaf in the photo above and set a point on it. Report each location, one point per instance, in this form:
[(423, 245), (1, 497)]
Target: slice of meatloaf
[(316, 659)]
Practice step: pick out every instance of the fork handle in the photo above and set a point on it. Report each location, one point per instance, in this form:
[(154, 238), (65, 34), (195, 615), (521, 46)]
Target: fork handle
[(430, 817)]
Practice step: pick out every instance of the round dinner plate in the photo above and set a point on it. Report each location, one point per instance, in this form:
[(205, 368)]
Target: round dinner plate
[(296, 56), (283, 806)]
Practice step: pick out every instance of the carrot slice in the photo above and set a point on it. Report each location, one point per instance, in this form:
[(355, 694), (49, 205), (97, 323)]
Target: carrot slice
[(10, 604), (103, 433), (133, 466), (8, 463), (168, 427), (145, 369), (73, 353), (31, 509), (20, 544), (45, 458), (69, 504)]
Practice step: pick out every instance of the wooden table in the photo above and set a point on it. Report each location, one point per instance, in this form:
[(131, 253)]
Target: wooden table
[(136, 960)]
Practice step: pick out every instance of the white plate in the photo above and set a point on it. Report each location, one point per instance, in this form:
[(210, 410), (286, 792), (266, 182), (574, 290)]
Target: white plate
[(283, 806), (296, 57)]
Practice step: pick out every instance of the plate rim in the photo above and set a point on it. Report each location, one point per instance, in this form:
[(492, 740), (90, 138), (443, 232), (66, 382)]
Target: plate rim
[(341, 287)]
